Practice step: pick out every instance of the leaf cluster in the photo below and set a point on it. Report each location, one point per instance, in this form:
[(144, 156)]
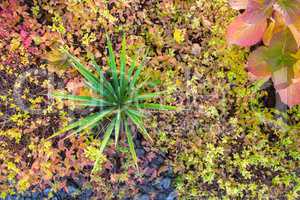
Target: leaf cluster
[(277, 24), (119, 98)]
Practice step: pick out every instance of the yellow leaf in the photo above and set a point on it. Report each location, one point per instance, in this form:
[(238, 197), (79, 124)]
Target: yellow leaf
[(295, 29), (56, 57), (15, 44), (23, 184), (280, 23), (296, 69), (269, 33), (178, 35), (13, 133), (3, 195)]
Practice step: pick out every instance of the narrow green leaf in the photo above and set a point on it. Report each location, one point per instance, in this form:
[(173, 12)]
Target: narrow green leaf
[(73, 125), (146, 96), (89, 76), (137, 113), (97, 67), (104, 88), (138, 71), (91, 122), (139, 123), (155, 106), (131, 144), (102, 91), (107, 135), (122, 65), (95, 104), (117, 127), (99, 89), (132, 92), (132, 67), (104, 142), (112, 62), (83, 99)]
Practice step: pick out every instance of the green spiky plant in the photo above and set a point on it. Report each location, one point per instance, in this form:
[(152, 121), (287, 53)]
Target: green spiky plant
[(120, 98)]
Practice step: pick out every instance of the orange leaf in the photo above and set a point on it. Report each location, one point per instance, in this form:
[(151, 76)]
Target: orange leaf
[(296, 69), (269, 33), (295, 29), (257, 64)]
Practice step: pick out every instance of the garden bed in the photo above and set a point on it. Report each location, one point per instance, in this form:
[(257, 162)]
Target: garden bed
[(231, 138)]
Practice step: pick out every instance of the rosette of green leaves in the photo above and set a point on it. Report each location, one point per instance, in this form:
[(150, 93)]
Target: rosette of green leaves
[(120, 98)]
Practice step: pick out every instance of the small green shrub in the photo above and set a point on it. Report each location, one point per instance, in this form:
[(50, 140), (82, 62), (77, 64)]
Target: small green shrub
[(120, 98)]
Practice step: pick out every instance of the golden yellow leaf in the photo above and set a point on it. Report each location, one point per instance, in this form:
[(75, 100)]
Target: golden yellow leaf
[(178, 35), (269, 33), (295, 29)]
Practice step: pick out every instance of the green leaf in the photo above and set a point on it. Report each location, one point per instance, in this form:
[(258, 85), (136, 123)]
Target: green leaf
[(103, 82), (131, 144), (134, 91), (83, 100), (137, 120), (97, 67), (146, 96), (122, 65), (107, 135), (138, 71), (155, 106), (275, 60), (117, 127), (73, 125), (132, 66), (137, 113), (104, 142), (112, 62), (91, 122), (90, 77)]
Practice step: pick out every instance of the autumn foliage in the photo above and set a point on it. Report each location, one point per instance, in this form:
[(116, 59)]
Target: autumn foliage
[(277, 25), (229, 140)]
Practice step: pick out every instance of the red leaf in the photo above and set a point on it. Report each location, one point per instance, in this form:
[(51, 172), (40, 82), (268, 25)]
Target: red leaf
[(25, 36), (257, 10), (283, 77), (291, 94), (244, 33)]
